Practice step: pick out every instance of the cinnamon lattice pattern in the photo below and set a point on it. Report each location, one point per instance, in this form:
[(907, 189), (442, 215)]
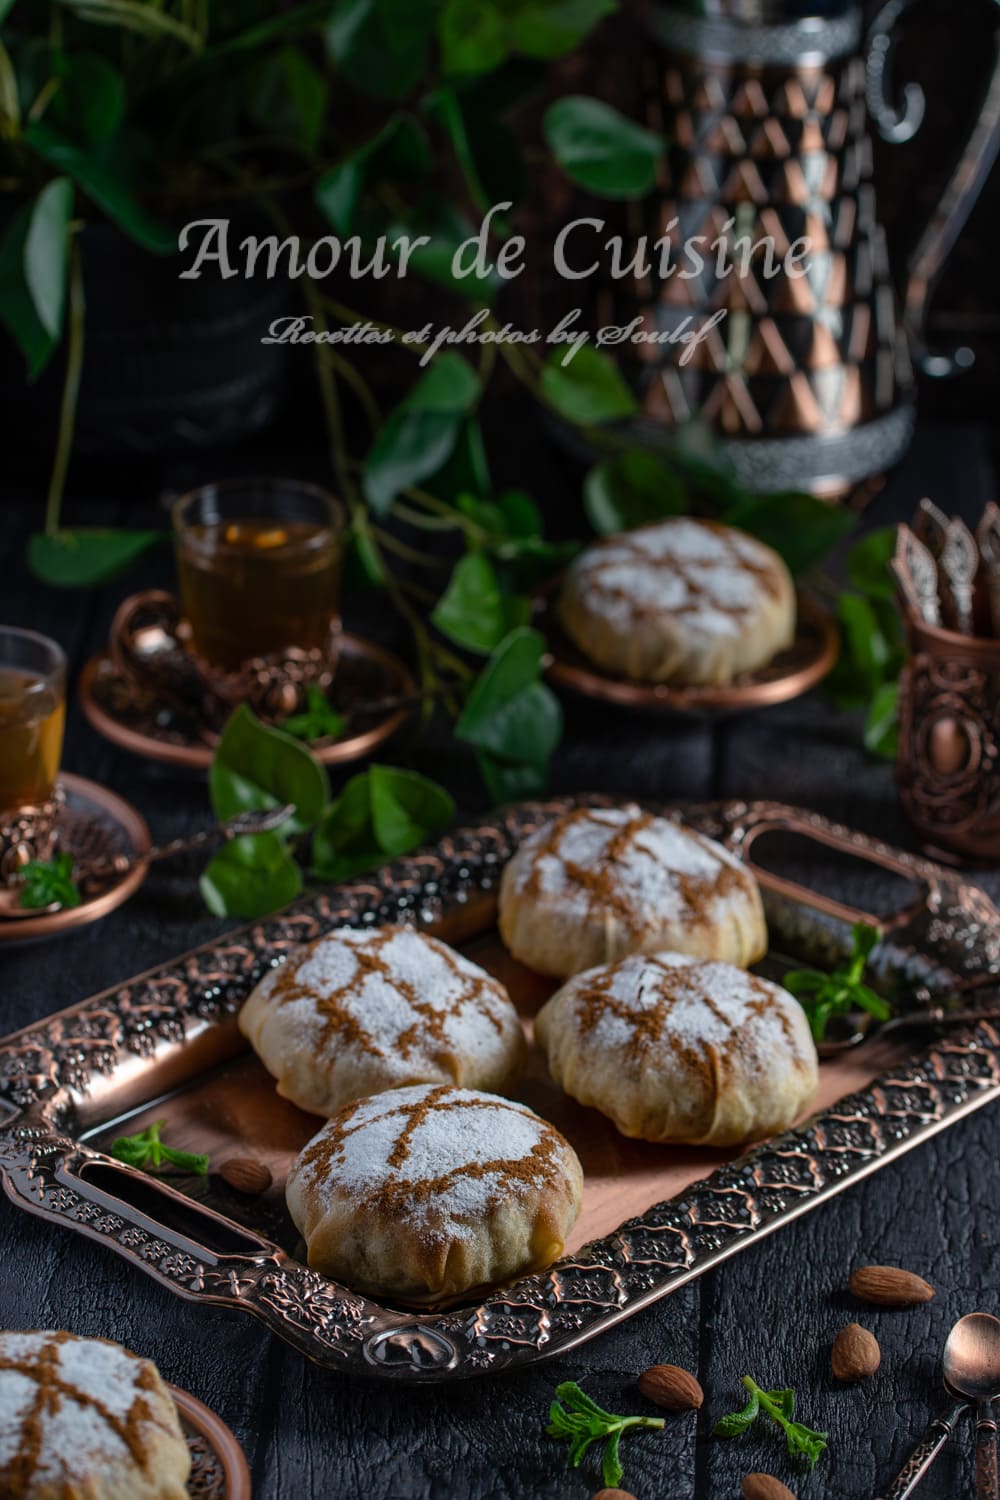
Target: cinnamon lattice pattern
[(343, 1020), (40, 1365), (955, 930)]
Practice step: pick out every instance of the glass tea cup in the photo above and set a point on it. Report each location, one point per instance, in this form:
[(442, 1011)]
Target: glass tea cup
[(32, 717), (259, 564)]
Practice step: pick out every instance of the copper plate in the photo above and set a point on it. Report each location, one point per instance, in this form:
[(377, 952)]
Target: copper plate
[(788, 675), (166, 1044), (218, 1468), (94, 824), (130, 716)]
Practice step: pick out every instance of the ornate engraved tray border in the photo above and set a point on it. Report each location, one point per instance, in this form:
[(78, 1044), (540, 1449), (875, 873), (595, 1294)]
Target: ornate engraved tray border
[(950, 934)]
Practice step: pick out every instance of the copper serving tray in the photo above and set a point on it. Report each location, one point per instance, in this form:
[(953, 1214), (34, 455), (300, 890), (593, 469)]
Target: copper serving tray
[(166, 1044)]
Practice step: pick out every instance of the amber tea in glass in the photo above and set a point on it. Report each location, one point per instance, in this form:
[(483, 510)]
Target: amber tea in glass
[(259, 566), (32, 717)]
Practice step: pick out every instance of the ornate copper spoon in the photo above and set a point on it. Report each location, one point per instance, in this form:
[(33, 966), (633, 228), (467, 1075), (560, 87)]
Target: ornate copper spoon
[(972, 1371)]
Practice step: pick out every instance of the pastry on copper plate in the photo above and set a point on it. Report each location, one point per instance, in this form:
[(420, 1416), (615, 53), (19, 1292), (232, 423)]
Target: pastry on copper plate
[(680, 601), (85, 1417)]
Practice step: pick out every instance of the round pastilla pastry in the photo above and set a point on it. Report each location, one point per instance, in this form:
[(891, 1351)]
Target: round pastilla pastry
[(367, 1009), (600, 883), (83, 1419), (680, 601), (675, 1049), (424, 1193)]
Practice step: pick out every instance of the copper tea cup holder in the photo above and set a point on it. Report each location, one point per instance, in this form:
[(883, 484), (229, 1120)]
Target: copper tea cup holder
[(27, 833), (150, 643)]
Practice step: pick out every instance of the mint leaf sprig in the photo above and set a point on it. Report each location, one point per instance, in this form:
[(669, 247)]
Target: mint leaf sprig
[(803, 1442), (579, 1421), (318, 721), (45, 882), (149, 1153), (824, 997)]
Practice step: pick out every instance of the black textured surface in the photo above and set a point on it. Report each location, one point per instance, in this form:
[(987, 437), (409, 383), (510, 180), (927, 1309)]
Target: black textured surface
[(772, 1312)]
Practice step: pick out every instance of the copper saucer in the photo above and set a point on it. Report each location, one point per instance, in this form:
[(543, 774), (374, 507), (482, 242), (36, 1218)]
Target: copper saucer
[(131, 716), (94, 824), (788, 675), (218, 1467)]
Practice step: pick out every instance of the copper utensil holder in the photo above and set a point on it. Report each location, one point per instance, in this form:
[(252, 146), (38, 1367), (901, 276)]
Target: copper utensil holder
[(947, 765)]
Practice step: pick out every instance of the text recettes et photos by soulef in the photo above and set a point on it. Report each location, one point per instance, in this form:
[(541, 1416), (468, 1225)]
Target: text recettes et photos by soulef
[(731, 251)]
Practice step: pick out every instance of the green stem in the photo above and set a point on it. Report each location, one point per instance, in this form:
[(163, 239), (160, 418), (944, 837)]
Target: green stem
[(413, 555), (418, 592), (345, 314), (145, 20), (422, 522), (771, 1407), (454, 517), (70, 394), (455, 125), (10, 108), (359, 386), (655, 1422)]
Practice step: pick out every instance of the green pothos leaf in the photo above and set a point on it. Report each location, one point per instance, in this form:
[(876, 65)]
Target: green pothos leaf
[(257, 766), (588, 390), (473, 611), (250, 876), (83, 557), (381, 813)]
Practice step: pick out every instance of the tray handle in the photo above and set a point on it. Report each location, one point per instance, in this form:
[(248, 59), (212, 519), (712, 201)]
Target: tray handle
[(931, 882), (55, 1179)]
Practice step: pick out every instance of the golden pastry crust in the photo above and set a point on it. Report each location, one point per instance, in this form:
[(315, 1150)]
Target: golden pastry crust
[(84, 1419), (424, 1193), (599, 883), (680, 601), (366, 1009), (675, 1049)]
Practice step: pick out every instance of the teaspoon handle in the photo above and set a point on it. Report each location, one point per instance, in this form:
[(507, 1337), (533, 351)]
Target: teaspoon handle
[(924, 1454), (987, 1482)]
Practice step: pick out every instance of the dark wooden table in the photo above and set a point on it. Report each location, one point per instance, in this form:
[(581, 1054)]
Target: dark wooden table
[(771, 1311)]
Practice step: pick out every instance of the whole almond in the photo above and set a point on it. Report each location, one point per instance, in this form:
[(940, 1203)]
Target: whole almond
[(671, 1387), (613, 1495), (247, 1175), (889, 1286), (855, 1354), (765, 1487)]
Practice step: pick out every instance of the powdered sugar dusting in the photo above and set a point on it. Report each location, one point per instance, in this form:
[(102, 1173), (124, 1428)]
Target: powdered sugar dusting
[(445, 1152), (392, 993), (712, 576), (708, 1002), (649, 871), (88, 1413)]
